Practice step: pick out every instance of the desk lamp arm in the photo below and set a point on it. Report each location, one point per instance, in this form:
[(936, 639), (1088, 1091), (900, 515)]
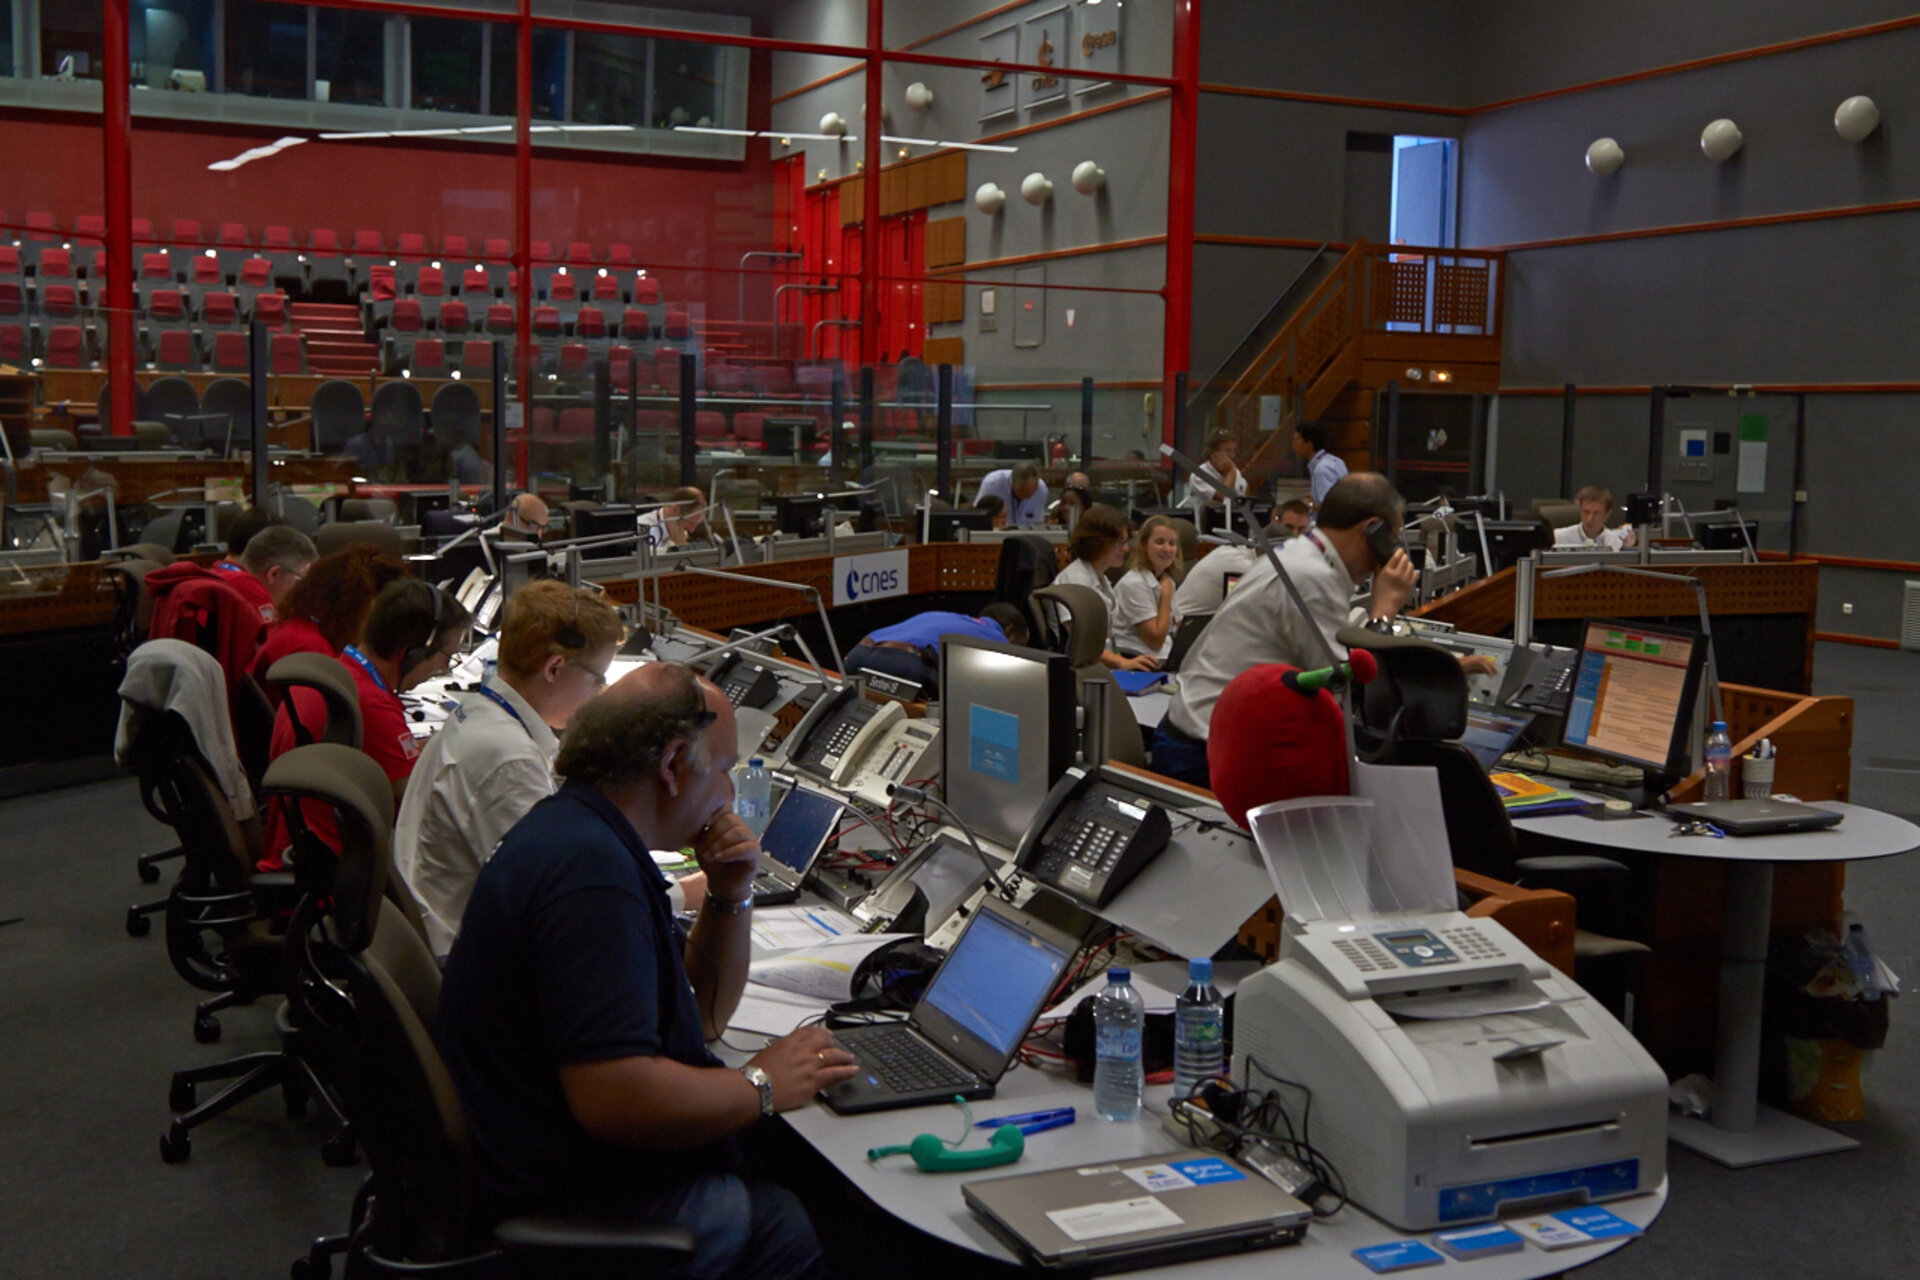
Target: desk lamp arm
[(806, 588)]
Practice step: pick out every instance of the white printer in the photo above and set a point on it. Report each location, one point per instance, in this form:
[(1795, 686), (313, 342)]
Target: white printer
[(1453, 1072)]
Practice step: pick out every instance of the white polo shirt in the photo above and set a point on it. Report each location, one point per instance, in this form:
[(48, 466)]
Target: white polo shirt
[(1079, 573), (1205, 588), (1575, 535), (1136, 599), (476, 778), (1259, 624)]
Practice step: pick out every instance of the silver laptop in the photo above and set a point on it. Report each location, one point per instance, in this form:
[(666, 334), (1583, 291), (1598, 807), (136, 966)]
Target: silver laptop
[(1143, 1212), (795, 835), (1755, 817)]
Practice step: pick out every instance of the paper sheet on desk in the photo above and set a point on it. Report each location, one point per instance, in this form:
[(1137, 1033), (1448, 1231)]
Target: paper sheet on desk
[(781, 929), (824, 970), (772, 1012)]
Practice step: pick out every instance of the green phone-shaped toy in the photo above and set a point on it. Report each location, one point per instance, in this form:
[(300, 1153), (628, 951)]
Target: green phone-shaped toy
[(933, 1155)]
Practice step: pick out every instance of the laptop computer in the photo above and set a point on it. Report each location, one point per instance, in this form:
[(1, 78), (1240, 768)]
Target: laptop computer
[(1755, 817), (795, 835), (968, 1024), (1183, 637), (1143, 1212), (1491, 734)]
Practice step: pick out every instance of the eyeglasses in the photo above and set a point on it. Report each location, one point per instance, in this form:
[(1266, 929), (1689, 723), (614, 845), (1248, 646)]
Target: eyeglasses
[(599, 678)]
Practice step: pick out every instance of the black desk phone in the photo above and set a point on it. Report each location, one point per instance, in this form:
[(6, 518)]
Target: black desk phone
[(1091, 837), (744, 683), (826, 737), (1538, 681)]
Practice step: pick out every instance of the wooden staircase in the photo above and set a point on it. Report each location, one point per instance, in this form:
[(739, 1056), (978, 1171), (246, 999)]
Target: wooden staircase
[(336, 344), (1426, 318)]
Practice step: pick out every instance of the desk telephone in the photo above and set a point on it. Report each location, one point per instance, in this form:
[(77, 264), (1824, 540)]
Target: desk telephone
[(1540, 680), (840, 732), (745, 684), (1091, 837)]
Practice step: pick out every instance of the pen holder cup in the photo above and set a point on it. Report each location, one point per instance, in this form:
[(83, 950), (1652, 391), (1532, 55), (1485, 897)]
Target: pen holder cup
[(1756, 776)]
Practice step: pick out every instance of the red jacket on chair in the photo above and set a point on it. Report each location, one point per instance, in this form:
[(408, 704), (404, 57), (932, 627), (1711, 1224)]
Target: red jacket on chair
[(197, 605)]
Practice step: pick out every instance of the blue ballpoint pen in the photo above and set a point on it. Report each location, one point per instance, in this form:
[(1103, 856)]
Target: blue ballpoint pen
[(1052, 1118)]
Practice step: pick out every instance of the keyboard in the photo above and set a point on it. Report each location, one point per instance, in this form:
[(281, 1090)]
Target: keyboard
[(904, 1062)]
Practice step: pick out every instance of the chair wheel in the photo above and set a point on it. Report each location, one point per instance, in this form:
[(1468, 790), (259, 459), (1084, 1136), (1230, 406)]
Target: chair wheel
[(149, 873), (176, 1144), (181, 1096), (206, 1029), (340, 1151), (138, 926)]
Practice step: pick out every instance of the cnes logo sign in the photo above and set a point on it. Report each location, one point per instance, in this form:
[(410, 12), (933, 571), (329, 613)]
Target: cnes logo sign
[(858, 579)]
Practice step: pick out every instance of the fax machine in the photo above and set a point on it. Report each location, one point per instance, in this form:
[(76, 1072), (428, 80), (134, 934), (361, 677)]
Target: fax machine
[(1453, 1072)]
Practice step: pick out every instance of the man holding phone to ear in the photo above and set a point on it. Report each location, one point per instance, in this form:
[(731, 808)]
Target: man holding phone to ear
[(1357, 537)]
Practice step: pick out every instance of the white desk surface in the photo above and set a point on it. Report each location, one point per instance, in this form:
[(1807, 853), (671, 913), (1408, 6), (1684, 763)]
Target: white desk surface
[(932, 1201), (1863, 833)]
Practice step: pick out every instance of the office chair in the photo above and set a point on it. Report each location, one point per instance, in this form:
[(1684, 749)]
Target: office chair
[(252, 728), (337, 534), (333, 682), (1076, 617), (1026, 563), (369, 986), (1413, 713)]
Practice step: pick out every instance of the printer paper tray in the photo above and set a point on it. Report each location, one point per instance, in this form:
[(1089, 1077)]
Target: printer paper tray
[(1464, 1004)]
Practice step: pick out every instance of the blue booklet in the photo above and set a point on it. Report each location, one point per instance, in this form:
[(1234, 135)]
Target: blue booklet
[(1467, 1243), (1137, 682), (1398, 1256)]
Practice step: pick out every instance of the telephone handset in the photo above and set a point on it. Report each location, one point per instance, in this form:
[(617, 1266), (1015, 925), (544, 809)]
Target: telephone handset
[(1384, 544), (823, 739), (1091, 837), (745, 684), (1537, 681)]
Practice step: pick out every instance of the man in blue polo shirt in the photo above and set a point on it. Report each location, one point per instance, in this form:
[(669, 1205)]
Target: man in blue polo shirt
[(576, 1015), (910, 650), (1021, 490)]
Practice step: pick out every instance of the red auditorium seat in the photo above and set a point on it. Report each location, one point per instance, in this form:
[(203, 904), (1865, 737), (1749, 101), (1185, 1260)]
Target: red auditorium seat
[(13, 343), (233, 235), (575, 422), (429, 358), (726, 379), (270, 309), (166, 305), (542, 251), (453, 248), (679, 326), (498, 251), (500, 319), (41, 228), (176, 350), (709, 426), (453, 318), (97, 267), (207, 270), (413, 247), (750, 431), (256, 273), (288, 353), (57, 263), (546, 320), (156, 266), (562, 288), (230, 352), (666, 370), (63, 300), (663, 422), (90, 229), (606, 288), (368, 242), (276, 238), (574, 356), (634, 323), (143, 231), (9, 260), (66, 347), (620, 255), (475, 280), (407, 317), (324, 243), (591, 324), (579, 251), (773, 379), (186, 231), (431, 283), (220, 308), (620, 368), (476, 357), (11, 303), (646, 292), (380, 282)]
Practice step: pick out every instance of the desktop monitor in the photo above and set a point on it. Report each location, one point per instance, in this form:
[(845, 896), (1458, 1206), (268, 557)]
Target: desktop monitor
[(1724, 535), (1508, 541), (945, 526), (801, 515), (1017, 450), (1007, 732), (1633, 694), (1140, 515), (599, 522)]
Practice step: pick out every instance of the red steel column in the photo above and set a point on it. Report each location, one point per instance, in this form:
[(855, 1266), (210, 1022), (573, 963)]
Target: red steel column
[(870, 352), (1181, 196), (116, 149), (523, 361)]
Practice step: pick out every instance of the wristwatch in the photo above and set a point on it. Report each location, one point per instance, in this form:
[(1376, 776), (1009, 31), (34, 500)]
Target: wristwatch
[(726, 908), (764, 1083), (1382, 626)]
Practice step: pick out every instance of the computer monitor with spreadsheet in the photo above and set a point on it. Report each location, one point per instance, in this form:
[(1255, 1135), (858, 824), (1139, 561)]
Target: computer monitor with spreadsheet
[(1634, 693), (1007, 735)]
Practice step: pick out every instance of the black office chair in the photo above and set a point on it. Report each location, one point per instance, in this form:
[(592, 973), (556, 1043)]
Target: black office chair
[(1413, 713), (232, 399), (339, 412), (1074, 620), (252, 729), (1027, 562), (333, 682), (368, 986)]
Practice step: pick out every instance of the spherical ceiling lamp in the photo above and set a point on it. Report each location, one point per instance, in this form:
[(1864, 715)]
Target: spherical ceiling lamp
[(1721, 139), (989, 199), (1088, 177), (1604, 156), (1037, 188), (1855, 118), (919, 96), (833, 124)]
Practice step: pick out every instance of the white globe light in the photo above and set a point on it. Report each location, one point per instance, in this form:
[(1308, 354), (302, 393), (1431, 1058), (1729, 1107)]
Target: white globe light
[(989, 199), (1604, 156), (833, 124), (1088, 177), (919, 97), (1037, 188), (1855, 118), (1721, 139)]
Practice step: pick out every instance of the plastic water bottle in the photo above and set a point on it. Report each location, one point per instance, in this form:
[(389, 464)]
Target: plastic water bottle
[(1719, 762), (1118, 1019), (753, 797), (1858, 953), (1199, 1049)]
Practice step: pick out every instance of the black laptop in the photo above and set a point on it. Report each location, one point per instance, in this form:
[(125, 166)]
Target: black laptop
[(1755, 817), (1183, 637), (795, 835), (969, 1024)]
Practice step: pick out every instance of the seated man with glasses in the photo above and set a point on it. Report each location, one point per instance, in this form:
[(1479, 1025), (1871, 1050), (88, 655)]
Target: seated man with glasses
[(494, 759), (526, 518)]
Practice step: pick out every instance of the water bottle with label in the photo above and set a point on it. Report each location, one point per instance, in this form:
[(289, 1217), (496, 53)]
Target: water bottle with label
[(1719, 763), (1119, 1016), (753, 795), (1199, 1046)]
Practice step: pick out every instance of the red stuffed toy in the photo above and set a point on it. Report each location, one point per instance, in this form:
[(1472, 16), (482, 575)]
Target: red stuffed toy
[(1269, 740)]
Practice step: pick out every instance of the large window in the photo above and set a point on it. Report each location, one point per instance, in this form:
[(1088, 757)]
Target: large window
[(172, 44), (610, 75), (686, 85), (266, 49), (70, 39), (6, 37), (549, 73), (350, 57), (445, 56)]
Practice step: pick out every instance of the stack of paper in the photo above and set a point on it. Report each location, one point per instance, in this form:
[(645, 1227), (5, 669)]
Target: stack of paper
[(1523, 794), (804, 959)]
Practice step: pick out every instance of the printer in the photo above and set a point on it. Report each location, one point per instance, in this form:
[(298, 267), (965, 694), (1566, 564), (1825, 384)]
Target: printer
[(1453, 1073)]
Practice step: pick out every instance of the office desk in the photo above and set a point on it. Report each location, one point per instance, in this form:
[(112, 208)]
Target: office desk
[(1742, 1132), (932, 1201)]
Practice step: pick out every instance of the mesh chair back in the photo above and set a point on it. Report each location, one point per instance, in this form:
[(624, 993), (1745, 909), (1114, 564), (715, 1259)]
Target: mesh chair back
[(328, 678)]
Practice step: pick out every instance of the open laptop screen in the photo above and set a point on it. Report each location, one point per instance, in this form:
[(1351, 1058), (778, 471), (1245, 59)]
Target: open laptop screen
[(994, 981), (798, 828)]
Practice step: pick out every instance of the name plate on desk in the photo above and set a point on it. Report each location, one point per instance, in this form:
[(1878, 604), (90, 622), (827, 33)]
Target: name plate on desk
[(894, 687), (879, 576)]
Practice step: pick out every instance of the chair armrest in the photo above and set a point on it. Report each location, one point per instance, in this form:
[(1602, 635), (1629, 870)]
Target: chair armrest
[(543, 1245), (1570, 864), (274, 891)]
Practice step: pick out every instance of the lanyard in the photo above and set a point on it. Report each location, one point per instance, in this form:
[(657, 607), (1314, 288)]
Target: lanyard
[(505, 706), (353, 651)]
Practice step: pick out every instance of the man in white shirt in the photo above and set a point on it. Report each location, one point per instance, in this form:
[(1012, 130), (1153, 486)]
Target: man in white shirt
[(1220, 471), (1324, 470), (673, 525), (1205, 586), (1022, 490), (1596, 504), (493, 761), (1259, 623)]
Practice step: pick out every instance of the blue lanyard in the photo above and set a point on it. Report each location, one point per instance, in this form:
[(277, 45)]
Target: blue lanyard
[(352, 651), (505, 706)]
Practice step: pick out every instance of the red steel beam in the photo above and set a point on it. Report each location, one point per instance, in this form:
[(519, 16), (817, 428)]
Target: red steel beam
[(1181, 194), (116, 150), (870, 239), (523, 361)]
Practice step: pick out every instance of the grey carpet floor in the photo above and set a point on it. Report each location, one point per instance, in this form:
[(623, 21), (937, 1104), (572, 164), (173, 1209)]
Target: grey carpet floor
[(93, 1022)]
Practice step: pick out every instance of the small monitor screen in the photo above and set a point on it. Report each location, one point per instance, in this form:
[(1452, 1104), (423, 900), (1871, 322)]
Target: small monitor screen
[(1008, 732), (1633, 693), (948, 875), (1491, 735), (996, 977), (799, 827)]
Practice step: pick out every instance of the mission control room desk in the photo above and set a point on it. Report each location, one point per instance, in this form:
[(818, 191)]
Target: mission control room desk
[(1741, 1132)]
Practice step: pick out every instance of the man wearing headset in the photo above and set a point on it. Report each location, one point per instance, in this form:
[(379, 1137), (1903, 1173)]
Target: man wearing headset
[(411, 634), (526, 517)]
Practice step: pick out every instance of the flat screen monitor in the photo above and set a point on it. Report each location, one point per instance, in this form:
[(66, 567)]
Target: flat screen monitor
[(1508, 541), (599, 522), (1633, 694), (1725, 535), (1007, 732), (801, 515), (1016, 450), (945, 526)]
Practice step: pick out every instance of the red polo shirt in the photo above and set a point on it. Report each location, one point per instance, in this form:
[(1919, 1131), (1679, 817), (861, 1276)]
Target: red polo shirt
[(241, 579)]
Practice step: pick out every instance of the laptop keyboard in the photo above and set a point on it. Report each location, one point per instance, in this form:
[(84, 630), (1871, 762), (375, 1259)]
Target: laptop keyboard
[(904, 1062)]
